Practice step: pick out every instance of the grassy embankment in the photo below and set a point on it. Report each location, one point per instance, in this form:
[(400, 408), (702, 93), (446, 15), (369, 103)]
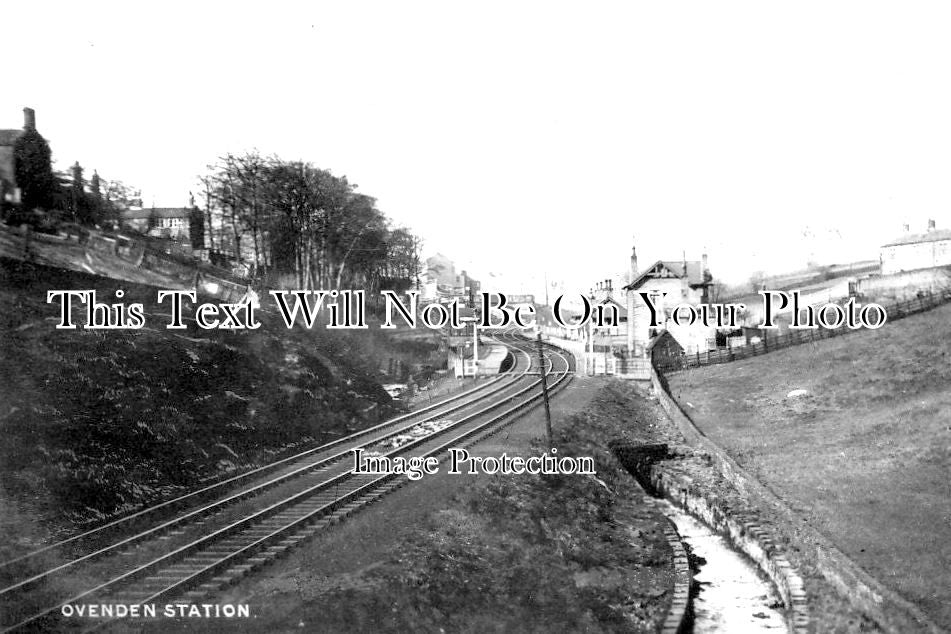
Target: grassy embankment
[(96, 423), (864, 457), (520, 553)]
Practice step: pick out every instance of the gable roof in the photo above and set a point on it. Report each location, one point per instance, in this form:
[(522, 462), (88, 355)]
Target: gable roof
[(156, 212), (135, 214), (171, 212), (664, 337), (9, 137), (671, 268), (607, 301), (935, 235)]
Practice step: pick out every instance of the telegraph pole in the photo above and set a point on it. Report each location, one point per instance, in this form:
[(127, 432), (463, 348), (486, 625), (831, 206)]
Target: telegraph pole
[(541, 363), (475, 345)]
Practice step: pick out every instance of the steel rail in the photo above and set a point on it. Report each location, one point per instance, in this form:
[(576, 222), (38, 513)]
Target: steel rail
[(350, 496), (246, 475), (300, 497), (262, 487)]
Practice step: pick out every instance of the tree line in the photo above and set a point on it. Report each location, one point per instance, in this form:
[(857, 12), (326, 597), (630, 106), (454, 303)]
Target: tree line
[(282, 221), (69, 196), (311, 228)]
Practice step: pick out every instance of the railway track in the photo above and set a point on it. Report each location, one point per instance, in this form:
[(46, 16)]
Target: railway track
[(192, 546)]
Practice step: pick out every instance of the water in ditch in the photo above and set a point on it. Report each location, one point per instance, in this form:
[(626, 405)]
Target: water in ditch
[(732, 596)]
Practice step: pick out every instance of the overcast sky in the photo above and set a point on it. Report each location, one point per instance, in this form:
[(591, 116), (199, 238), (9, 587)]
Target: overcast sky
[(524, 138)]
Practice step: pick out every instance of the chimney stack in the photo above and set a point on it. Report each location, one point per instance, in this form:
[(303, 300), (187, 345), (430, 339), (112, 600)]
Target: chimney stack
[(29, 119), (930, 225), (906, 228), (706, 269), (633, 260), (685, 280)]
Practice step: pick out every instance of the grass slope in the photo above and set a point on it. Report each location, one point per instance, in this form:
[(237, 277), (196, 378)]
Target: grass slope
[(517, 553), (865, 457), (96, 423)]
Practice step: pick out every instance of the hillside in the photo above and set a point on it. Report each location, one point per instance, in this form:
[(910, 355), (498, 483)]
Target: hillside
[(95, 423), (812, 278), (864, 456)]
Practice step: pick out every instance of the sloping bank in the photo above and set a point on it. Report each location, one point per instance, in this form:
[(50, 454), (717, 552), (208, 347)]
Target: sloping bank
[(822, 592), (521, 553), (96, 423)]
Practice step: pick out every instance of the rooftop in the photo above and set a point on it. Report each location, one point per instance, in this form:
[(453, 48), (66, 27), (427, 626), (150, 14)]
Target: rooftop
[(9, 137), (935, 235), (676, 268), (157, 212)]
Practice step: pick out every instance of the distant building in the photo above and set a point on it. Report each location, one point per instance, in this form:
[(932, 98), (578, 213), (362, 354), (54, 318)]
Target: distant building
[(182, 224), (669, 283), (441, 270), (612, 303), (441, 282), (8, 185), (913, 251)]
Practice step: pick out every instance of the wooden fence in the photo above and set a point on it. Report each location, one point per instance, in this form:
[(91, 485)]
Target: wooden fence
[(897, 310)]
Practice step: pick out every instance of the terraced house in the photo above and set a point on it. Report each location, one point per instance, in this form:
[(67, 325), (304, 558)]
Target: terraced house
[(914, 251), (183, 224)]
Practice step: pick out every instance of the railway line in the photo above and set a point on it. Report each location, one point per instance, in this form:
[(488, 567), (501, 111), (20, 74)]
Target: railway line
[(188, 548)]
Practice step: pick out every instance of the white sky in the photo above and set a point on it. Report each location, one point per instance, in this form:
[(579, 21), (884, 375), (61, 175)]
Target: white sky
[(524, 138)]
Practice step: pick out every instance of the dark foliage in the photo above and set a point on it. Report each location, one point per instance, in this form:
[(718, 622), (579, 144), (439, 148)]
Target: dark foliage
[(33, 169)]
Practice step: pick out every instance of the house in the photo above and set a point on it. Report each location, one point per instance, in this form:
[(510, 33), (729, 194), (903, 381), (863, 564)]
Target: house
[(612, 304), (176, 223), (9, 191), (913, 251), (669, 283)]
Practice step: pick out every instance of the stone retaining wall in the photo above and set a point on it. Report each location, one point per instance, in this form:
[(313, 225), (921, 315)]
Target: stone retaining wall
[(743, 530), (677, 615)]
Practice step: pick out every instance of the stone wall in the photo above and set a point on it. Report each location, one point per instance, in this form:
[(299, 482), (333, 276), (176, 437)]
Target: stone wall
[(904, 286)]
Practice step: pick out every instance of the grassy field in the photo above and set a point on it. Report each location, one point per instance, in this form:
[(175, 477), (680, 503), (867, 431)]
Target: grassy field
[(864, 456)]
